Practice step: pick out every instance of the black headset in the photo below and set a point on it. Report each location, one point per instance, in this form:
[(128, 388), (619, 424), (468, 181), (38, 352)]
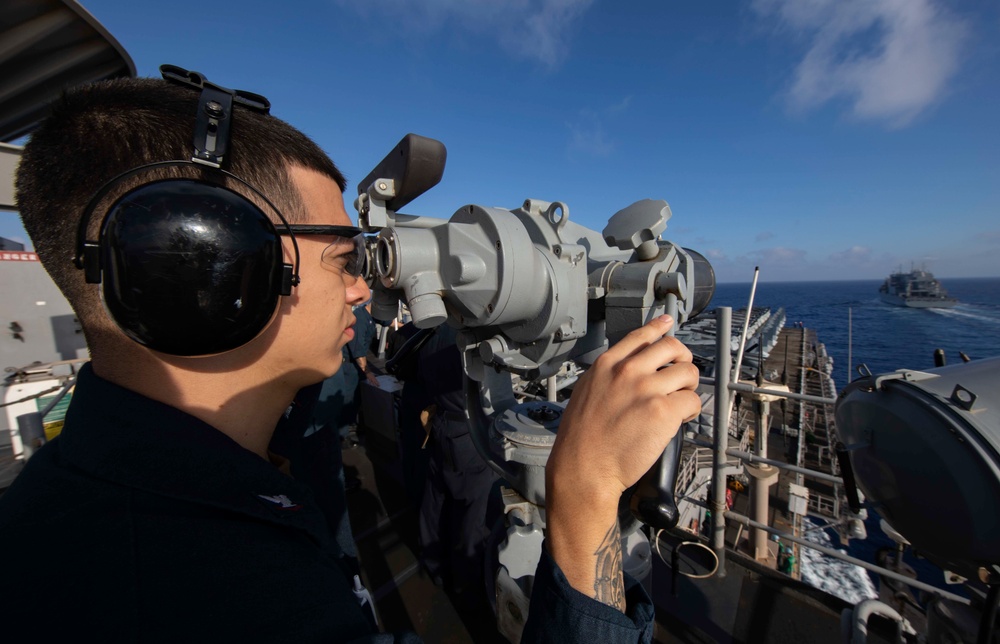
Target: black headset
[(188, 266)]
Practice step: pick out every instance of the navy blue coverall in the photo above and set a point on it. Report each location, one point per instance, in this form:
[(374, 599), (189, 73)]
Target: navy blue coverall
[(142, 523)]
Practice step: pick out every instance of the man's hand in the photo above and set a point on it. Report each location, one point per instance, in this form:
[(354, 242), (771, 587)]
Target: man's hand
[(622, 414), (362, 363)]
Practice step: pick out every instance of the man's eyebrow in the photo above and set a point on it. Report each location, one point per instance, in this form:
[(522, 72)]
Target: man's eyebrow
[(344, 242), (340, 247)]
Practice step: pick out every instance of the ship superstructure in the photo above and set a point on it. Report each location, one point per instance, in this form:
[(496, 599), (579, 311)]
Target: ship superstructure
[(916, 289)]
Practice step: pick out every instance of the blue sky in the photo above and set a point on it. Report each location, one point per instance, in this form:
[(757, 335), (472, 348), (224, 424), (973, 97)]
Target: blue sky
[(818, 139)]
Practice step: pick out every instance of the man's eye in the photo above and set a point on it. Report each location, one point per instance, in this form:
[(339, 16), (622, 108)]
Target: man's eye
[(345, 257), (335, 257)]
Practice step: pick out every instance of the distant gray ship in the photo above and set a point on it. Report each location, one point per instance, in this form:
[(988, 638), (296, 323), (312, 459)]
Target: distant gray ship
[(917, 289)]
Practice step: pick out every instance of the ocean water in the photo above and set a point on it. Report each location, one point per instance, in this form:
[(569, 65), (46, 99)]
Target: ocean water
[(884, 338)]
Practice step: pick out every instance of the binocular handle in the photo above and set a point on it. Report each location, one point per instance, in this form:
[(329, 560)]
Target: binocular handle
[(653, 501)]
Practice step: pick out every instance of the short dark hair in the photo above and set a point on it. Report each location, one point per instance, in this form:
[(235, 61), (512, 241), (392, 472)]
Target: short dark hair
[(98, 131)]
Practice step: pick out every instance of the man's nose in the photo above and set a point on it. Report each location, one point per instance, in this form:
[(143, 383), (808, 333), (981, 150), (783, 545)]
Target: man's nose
[(360, 291)]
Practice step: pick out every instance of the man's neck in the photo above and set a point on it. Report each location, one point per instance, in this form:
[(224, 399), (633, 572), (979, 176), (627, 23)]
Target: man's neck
[(243, 404)]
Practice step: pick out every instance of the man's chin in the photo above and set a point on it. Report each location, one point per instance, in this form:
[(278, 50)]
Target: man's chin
[(322, 373)]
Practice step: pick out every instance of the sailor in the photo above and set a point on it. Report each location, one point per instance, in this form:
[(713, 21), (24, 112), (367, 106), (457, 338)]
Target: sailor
[(414, 457), (453, 520), (226, 286)]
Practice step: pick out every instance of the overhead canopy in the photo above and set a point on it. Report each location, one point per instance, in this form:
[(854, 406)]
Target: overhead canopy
[(45, 47)]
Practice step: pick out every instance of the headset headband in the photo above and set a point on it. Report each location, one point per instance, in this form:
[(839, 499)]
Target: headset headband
[(215, 108)]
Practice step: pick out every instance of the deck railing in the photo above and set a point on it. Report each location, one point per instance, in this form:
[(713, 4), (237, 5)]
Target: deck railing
[(724, 394)]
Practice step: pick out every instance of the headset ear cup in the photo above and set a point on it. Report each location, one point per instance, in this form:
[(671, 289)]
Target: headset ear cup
[(190, 268)]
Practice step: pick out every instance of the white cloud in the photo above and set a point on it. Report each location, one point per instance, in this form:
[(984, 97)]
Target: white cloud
[(890, 59), (988, 236), (587, 135), (778, 256), (620, 106), (853, 255), (538, 30)]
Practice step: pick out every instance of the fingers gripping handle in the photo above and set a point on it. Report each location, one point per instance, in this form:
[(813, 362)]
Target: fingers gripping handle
[(653, 500)]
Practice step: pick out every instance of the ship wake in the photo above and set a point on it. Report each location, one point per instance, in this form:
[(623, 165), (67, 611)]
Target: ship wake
[(847, 581)]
